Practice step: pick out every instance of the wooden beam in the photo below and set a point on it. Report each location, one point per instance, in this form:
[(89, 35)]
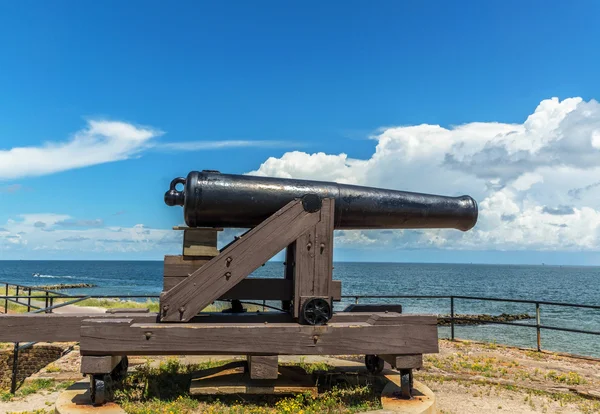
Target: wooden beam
[(260, 289), (179, 266), (200, 242), (123, 337), (314, 259), (233, 264), (50, 327), (98, 364), (404, 361), (263, 366), (250, 288)]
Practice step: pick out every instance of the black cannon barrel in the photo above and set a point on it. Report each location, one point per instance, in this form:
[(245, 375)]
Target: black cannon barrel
[(212, 199)]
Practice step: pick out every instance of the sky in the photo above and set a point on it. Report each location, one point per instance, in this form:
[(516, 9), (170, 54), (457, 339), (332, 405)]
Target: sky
[(102, 104)]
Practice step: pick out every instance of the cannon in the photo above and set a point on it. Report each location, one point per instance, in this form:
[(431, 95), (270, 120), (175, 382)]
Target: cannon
[(297, 216), (212, 199)]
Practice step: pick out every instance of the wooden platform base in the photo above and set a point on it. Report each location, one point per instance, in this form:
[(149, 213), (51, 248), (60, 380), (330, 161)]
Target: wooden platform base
[(234, 379), (380, 334)]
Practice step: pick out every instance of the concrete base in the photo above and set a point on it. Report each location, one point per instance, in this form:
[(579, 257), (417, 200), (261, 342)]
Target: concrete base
[(423, 401), (76, 400)]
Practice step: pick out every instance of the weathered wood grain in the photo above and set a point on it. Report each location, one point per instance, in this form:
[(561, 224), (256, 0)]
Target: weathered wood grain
[(404, 361), (408, 336), (179, 266), (50, 327), (347, 317), (215, 278), (200, 242), (314, 259), (260, 289), (372, 307), (393, 318), (263, 366), (98, 364)]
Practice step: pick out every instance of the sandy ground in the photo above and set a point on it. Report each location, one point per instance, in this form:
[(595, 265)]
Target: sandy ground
[(466, 377)]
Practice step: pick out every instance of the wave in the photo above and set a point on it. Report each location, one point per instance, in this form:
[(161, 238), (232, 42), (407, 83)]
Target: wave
[(55, 277)]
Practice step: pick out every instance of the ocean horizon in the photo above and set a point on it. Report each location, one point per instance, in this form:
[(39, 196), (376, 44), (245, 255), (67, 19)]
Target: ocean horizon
[(550, 283)]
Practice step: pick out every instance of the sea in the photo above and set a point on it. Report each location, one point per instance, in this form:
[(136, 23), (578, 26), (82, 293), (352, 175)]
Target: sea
[(565, 284)]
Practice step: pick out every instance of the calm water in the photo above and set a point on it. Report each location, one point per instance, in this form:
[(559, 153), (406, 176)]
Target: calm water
[(547, 283)]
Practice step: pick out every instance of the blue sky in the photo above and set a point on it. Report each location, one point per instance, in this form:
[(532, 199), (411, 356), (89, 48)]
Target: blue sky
[(118, 98)]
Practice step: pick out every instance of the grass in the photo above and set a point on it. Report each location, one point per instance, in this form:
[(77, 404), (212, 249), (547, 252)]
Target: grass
[(310, 367), (153, 305), (165, 389), (34, 386)]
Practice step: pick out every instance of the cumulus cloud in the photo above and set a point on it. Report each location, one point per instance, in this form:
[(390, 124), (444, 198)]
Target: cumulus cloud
[(80, 223), (536, 182), (48, 232)]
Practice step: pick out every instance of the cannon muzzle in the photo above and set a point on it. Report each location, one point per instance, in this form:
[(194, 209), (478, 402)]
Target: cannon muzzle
[(212, 199)]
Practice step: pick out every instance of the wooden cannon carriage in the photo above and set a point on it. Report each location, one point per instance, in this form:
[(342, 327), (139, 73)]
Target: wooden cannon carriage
[(303, 224)]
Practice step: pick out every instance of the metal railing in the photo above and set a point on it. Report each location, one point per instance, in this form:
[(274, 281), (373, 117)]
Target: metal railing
[(49, 296), (453, 318)]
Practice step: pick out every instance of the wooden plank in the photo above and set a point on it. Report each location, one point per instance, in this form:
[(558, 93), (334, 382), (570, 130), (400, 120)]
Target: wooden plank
[(215, 278), (304, 271), (348, 317), (324, 250), (369, 307), (98, 364), (200, 242), (314, 259), (232, 379), (178, 266), (250, 288), (243, 318), (128, 310), (50, 327), (408, 336), (392, 318), (263, 366), (413, 361), (259, 289)]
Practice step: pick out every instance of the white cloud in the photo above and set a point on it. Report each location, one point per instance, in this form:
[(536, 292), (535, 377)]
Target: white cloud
[(212, 145), (99, 142), (48, 232), (536, 182)]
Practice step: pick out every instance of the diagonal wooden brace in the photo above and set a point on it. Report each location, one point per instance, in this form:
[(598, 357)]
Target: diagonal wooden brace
[(234, 263)]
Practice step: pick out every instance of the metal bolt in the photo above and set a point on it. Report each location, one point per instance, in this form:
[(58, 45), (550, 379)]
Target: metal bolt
[(148, 335), (182, 309), (316, 338), (228, 261), (308, 246), (228, 275), (322, 247)]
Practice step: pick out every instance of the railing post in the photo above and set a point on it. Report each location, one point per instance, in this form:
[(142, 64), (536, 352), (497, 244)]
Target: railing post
[(452, 317), (51, 302), (17, 294), (356, 300), (46, 302), (537, 323), (15, 367), (6, 299), (29, 301)]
